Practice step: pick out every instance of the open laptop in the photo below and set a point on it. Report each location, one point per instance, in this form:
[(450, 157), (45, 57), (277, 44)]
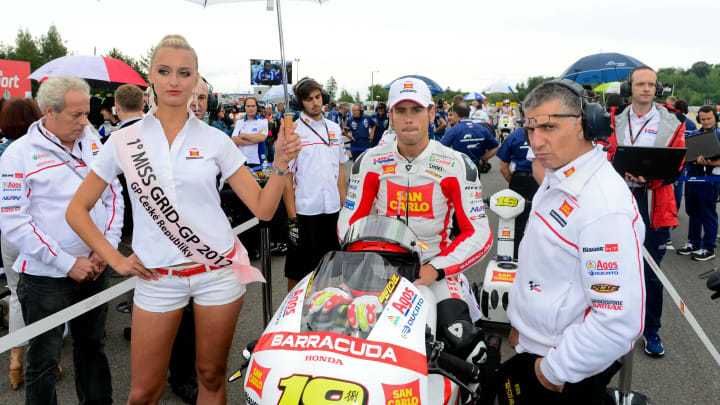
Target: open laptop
[(705, 144), (649, 162)]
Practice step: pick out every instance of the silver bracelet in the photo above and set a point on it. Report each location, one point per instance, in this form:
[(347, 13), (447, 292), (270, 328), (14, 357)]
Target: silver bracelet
[(278, 171)]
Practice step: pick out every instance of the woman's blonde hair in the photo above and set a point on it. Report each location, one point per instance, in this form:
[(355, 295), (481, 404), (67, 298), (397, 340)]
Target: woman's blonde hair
[(174, 41)]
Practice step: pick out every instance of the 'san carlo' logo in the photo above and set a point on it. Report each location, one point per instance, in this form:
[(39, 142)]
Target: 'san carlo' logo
[(414, 201)]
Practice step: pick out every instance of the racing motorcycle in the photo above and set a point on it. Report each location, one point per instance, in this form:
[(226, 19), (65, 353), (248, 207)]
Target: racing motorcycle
[(358, 331), (505, 125)]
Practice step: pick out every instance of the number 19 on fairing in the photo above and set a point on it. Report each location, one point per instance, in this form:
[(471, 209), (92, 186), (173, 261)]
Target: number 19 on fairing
[(304, 389)]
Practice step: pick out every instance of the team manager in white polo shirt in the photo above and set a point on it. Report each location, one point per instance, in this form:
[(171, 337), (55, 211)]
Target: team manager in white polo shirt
[(316, 186)]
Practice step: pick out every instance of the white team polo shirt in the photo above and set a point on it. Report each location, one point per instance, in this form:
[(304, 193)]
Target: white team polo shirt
[(189, 172), (317, 167), (643, 127), (254, 126)]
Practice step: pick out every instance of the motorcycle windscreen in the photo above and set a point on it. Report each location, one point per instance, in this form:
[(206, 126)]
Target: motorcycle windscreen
[(361, 339)]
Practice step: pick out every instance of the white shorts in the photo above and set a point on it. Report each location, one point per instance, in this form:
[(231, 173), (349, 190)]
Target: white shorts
[(217, 287)]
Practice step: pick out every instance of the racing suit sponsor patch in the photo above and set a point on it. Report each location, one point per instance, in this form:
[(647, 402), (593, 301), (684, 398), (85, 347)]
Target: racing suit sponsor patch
[(614, 305), (414, 201), (602, 268), (604, 288), (554, 214), (566, 209)]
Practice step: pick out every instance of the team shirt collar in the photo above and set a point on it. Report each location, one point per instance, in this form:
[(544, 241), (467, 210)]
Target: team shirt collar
[(572, 177)]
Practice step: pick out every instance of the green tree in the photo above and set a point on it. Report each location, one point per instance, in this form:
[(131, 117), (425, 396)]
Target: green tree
[(700, 69), (377, 91), (331, 87), (144, 62), (525, 88), (51, 45), (26, 49), (345, 96), (357, 99), (449, 94)]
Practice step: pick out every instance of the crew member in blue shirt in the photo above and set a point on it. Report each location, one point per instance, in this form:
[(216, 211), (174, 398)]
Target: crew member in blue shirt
[(333, 114), (471, 139), (701, 196), (268, 75), (360, 128), (381, 121), (517, 171), (441, 119)]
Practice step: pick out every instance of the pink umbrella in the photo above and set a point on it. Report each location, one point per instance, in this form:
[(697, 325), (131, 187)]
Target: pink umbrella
[(99, 71)]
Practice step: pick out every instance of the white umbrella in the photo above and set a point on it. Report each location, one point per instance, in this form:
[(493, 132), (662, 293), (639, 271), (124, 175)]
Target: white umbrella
[(270, 4), (500, 87), (275, 92), (99, 71)]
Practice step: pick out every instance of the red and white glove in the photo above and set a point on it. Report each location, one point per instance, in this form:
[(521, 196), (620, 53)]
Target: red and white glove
[(327, 299)]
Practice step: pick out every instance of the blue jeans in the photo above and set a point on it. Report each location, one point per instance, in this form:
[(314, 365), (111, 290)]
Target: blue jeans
[(656, 244), (43, 296), (700, 206)]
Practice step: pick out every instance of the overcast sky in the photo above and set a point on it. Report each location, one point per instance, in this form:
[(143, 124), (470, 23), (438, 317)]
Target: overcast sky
[(465, 44)]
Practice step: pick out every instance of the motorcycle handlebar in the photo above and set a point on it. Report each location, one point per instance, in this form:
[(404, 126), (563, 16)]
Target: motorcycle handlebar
[(464, 369)]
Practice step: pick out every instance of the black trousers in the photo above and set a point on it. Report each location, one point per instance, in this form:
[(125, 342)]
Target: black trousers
[(517, 384), (524, 184), (317, 236)]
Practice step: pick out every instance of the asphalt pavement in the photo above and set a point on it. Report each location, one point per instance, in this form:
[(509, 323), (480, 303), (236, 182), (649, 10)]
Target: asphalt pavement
[(686, 375)]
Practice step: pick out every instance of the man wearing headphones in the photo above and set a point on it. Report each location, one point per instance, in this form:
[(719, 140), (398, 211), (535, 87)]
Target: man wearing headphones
[(644, 123), (315, 187), (577, 299), (701, 196)]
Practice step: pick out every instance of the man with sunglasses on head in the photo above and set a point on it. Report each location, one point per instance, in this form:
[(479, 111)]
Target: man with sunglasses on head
[(576, 303), (644, 123)]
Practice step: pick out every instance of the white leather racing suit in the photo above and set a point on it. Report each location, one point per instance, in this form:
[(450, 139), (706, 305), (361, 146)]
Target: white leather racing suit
[(425, 191)]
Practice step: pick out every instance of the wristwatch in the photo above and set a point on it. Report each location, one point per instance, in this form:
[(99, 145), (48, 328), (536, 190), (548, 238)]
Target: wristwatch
[(441, 274), (278, 171)]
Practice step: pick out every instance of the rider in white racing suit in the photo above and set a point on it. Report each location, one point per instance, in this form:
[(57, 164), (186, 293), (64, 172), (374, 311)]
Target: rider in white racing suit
[(426, 191)]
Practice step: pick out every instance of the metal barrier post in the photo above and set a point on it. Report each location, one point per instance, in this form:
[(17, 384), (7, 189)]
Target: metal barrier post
[(626, 377), (266, 270)]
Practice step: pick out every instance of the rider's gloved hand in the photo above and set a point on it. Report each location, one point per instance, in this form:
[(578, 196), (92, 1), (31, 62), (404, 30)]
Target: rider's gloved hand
[(363, 312), (327, 299), (293, 230)]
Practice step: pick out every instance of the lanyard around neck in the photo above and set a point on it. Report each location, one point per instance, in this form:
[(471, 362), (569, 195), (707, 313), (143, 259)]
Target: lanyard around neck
[(327, 143)]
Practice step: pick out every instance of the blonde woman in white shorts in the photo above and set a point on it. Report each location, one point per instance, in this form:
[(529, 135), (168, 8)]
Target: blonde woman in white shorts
[(187, 159)]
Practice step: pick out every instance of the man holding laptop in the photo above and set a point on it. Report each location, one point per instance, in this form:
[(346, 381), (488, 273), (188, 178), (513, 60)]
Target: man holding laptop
[(644, 123), (701, 194)]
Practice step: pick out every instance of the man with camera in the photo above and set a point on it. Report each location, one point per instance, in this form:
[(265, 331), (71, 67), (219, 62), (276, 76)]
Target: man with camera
[(315, 188), (644, 123), (577, 299), (701, 195)]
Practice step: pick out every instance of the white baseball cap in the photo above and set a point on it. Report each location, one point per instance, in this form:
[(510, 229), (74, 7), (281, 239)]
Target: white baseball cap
[(409, 89)]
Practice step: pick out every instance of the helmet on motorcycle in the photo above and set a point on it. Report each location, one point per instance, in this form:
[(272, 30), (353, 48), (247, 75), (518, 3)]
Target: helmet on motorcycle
[(390, 238)]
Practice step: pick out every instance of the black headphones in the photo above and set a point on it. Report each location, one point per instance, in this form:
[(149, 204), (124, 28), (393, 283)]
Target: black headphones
[(595, 120), (296, 104), (714, 111), (626, 86)]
